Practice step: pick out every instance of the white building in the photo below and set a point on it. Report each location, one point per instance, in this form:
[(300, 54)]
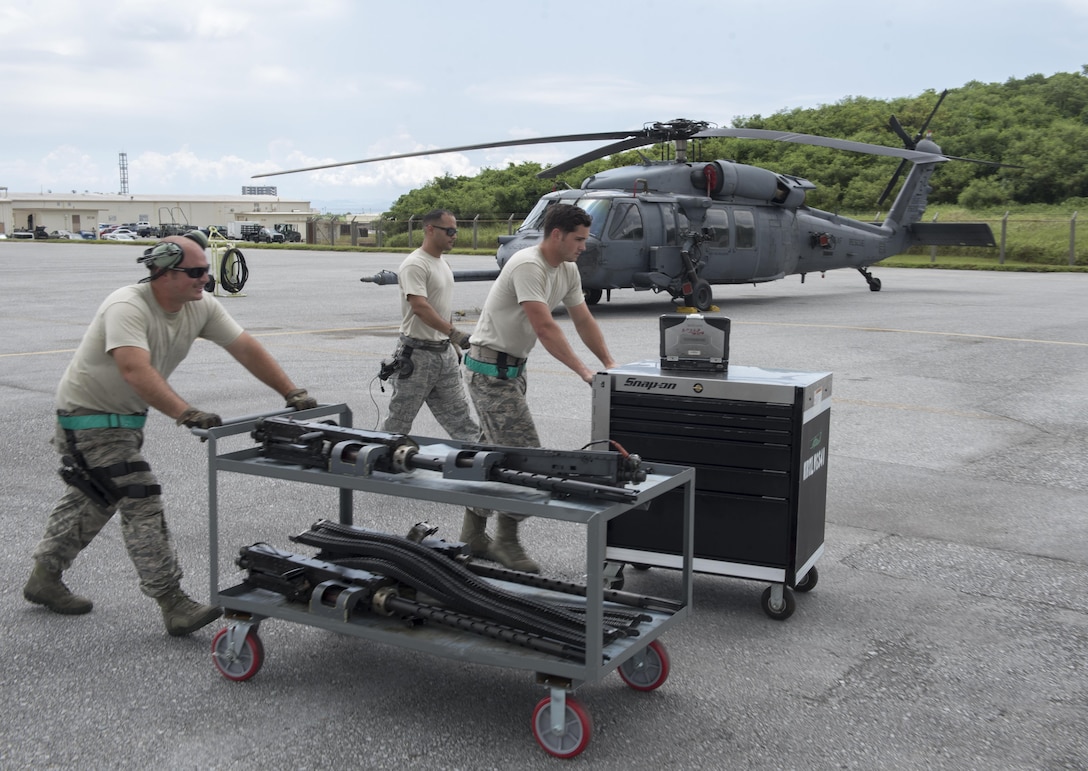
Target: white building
[(85, 212)]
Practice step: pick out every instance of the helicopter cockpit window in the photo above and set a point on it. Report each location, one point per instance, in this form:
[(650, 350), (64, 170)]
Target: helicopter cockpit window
[(627, 224), (535, 218), (717, 222), (746, 229), (597, 208)]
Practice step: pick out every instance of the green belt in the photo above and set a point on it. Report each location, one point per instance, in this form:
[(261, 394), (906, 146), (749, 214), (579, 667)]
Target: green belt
[(492, 369), (108, 420)]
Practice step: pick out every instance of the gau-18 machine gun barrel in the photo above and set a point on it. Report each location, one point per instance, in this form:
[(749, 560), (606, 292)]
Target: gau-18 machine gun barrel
[(341, 449)]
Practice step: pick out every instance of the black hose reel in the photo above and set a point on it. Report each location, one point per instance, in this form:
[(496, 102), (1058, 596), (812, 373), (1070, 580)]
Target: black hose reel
[(233, 271)]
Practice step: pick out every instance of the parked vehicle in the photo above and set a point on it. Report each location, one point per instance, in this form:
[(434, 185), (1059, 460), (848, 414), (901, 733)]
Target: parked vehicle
[(239, 229), (267, 236), (290, 233)]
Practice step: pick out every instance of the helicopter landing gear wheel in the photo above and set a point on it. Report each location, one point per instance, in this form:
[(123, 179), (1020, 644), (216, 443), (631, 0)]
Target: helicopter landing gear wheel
[(778, 602), (872, 281), (593, 296), (237, 665), (647, 670), (576, 727), (701, 297)]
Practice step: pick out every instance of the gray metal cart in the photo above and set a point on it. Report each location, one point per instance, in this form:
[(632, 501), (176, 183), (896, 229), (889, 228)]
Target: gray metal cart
[(560, 723)]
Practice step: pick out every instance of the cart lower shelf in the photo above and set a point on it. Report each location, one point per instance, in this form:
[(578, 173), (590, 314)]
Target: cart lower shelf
[(560, 723)]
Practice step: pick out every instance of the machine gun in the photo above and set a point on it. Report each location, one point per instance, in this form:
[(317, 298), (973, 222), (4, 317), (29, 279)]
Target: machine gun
[(340, 449), (364, 571)]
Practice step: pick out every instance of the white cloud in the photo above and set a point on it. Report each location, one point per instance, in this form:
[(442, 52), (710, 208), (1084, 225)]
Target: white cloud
[(205, 93)]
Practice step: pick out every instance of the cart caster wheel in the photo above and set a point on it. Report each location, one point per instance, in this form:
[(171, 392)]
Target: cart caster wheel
[(613, 575), (576, 729), (778, 610), (240, 666), (808, 583), (649, 671)]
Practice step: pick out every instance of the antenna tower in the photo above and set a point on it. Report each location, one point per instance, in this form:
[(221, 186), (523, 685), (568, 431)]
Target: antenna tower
[(123, 161)]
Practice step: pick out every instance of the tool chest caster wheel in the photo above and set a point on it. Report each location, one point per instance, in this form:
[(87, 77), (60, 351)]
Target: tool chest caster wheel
[(575, 733), (237, 665), (778, 602), (808, 583), (648, 669)]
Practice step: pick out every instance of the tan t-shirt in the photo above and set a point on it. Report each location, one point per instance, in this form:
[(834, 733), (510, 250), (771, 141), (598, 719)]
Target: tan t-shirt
[(503, 325), (426, 276), (131, 316)]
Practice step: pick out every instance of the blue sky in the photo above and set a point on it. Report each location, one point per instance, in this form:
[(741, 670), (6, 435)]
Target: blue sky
[(201, 95)]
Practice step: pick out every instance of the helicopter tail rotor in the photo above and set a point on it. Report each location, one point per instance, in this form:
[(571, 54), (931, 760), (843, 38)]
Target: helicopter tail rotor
[(909, 143)]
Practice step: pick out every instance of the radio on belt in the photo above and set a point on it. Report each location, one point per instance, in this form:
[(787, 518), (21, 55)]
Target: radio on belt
[(694, 342)]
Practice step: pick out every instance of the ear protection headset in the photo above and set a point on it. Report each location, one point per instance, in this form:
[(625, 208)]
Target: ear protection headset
[(166, 255)]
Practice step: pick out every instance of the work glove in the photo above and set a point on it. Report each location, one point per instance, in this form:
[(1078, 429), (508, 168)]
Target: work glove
[(459, 338), (194, 418), (300, 400)]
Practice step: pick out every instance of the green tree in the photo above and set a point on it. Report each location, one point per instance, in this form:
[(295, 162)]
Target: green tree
[(1036, 123)]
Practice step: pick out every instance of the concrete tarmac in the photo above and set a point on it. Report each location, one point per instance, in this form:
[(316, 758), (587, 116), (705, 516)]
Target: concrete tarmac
[(949, 629)]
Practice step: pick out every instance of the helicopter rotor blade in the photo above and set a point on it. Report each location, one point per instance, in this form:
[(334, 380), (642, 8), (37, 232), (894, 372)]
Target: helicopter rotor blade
[(897, 127), (592, 155), (891, 183), (462, 148), (811, 139), (922, 131)]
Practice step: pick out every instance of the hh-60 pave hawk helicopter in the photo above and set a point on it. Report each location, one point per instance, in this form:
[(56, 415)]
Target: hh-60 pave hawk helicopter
[(679, 227)]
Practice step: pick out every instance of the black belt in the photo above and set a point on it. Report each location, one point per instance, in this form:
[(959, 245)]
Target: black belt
[(426, 345)]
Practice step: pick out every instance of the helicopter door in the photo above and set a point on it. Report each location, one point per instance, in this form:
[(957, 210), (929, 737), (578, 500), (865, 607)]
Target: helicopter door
[(775, 242), (625, 240), (745, 255), (730, 246)]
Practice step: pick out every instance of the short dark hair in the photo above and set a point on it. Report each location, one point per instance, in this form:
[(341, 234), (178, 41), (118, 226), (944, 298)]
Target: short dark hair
[(566, 217), (435, 215)]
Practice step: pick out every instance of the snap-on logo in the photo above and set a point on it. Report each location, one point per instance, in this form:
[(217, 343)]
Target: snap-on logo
[(649, 385)]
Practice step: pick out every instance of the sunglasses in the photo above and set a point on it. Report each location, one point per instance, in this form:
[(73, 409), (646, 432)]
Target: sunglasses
[(451, 232), (193, 272)]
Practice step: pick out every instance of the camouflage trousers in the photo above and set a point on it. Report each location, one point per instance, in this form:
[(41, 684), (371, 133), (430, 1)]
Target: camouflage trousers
[(435, 381), (76, 519), (504, 414)]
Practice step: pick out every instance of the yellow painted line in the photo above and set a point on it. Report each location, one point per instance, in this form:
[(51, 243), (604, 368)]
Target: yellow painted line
[(36, 353), (390, 327), (917, 408), (912, 332), (255, 334)]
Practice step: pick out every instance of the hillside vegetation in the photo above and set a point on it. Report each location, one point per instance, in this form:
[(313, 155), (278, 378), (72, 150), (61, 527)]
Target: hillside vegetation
[(1037, 126)]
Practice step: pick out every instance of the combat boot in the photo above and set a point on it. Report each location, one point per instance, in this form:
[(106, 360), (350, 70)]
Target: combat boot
[(46, 588), (474, 534), (183, 616), (506, 550)]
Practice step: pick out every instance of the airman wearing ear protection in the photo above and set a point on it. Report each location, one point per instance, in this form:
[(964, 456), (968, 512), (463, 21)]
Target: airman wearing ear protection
[(138, 336)]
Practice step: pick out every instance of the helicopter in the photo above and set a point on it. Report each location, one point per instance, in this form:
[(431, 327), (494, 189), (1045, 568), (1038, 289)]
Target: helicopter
[(681, 227)]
